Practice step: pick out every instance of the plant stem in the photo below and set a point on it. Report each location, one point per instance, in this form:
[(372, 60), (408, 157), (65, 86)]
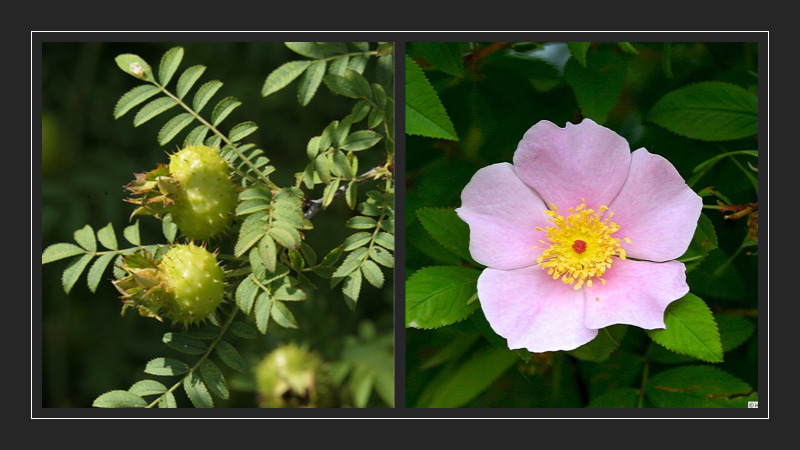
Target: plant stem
[(202, 358)]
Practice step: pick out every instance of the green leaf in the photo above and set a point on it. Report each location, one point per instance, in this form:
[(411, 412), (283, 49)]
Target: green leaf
[(169, 64), (74, 270), (326, 139), (351, 263), (339, 65), (97, 270), (351, 194), (244, 330), (310, 82), (357, 240), (204, 94), (173, 127), (288, 293), (107, 237), (119, 399), (308, 253), (184, 344), (262, 312), (352, 288), (437, 296), (85, 237), (197, 391), (188, 79), (147, 387), (282, 315), (357, 64), (307, 49), (133, 98), (361, 140), (445, 56), (323, 165), (60, 251), (385, 239), (131, 233), (214, 379), (381, 256), (444, 225), (601, 347), (152, 109), (268, 252), (703, 241), (230, 356), (246, 294), (360, 110), (375, 118), (425, 114), (691, 330), (617, 398), (241, 131), (457, 384), (287, 237), (333, 256), (361, 385), (283, 75), (166, 367), (733, 330), (223, 108), (342, 85), (372, 273), (342, 166), (710, 111), (698, 387), (196, 136), (598, 85), (329, 192), (169, 229), (168, 401), (578, 51), (361, 223), (135, 66)]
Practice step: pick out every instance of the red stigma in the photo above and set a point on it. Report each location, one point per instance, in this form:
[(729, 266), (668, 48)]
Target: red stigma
[(579, 246)]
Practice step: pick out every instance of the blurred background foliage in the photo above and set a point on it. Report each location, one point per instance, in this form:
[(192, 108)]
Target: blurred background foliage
[(493, 93), (87, 158)]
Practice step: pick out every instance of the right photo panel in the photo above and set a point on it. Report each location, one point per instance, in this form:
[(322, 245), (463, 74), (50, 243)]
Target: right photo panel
[(581, 224)]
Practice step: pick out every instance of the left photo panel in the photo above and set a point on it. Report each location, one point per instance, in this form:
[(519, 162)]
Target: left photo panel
[(217, 225)]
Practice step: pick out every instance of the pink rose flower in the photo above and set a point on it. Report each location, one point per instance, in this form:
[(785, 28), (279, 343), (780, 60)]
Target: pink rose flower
[(578, 234)]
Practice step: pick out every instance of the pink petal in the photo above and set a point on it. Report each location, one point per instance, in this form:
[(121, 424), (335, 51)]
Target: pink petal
[(502, 213), (635, 293), (655, 209), (565, 165), (532, 310)]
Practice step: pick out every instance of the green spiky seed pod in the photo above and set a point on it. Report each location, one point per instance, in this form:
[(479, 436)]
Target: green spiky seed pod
[(185, 285), (207, 196), (195, 188)]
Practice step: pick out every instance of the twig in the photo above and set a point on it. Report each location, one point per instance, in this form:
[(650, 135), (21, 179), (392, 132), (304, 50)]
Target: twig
[(315, 205)]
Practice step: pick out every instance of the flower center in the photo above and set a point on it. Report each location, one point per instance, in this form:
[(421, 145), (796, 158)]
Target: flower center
[(580, 246)]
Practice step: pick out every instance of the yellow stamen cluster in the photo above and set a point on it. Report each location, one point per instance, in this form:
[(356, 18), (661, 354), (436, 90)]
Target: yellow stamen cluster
[(588, 259)]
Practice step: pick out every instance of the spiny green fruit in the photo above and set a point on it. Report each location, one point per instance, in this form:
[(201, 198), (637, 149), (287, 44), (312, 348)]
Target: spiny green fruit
[(195, 188), (185, 285), (288, 377)]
